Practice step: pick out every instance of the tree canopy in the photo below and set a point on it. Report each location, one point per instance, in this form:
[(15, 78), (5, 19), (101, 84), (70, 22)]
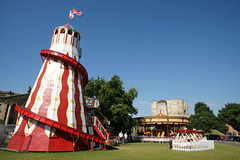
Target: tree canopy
[(231, 115), (115, 103), (203, 118)]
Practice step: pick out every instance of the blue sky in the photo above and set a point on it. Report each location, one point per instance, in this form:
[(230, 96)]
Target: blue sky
[(167, 49)]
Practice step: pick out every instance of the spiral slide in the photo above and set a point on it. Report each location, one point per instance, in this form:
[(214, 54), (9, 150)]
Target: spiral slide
[(66, 138), (57, 125), (93, 121)]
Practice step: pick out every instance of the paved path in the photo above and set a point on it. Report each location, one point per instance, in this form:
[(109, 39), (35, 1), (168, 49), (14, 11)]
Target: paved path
[(228, 143)]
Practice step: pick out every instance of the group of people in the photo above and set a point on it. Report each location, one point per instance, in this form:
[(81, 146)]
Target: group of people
[(122, 138)]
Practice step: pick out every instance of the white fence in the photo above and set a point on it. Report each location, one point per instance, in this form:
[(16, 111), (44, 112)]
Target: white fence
[(193, 146)]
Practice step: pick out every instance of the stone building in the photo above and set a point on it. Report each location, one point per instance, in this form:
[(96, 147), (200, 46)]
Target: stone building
[(172, 107), (8, 99)]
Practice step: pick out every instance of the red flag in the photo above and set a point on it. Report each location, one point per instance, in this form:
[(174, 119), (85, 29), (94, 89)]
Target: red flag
[(74, 11), (79, 13)]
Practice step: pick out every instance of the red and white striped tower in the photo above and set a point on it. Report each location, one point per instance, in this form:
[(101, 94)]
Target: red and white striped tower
[(56, 95)]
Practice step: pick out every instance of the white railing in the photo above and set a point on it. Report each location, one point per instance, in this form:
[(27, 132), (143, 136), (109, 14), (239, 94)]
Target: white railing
[(94, 121), (193, 146)]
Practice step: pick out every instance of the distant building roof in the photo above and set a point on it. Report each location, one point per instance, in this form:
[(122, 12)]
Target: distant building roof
[(7, 93), (161, 101)]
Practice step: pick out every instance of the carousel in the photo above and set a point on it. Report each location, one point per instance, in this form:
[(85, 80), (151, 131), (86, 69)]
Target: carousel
[(168, 118)]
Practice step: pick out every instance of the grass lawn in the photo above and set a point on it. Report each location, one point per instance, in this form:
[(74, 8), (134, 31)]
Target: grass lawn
[(134, 151)]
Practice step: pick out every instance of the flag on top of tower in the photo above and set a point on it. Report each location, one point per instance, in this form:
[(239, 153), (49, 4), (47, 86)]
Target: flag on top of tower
[(74, 10), (77, 12), (71, 15)]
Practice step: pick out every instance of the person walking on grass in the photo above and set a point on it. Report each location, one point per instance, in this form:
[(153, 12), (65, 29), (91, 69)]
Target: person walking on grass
[(120, 137), (125, 138)]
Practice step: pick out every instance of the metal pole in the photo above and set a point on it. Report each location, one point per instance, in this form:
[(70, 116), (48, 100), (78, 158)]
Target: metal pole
[(20, 138), (68, 22), (50, 134)]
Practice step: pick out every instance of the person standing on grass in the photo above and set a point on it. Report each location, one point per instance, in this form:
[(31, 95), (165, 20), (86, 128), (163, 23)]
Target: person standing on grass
[(125, 138), (120, 137)]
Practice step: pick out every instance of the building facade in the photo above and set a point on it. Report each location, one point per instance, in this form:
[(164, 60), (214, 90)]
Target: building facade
[(8, 99)]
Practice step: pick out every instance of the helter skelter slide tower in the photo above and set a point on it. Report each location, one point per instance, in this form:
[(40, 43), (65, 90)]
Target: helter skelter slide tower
[(54, 118)]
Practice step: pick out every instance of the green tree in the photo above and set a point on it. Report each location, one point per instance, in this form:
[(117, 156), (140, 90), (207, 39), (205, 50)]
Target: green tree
[(230, 115), (203, 118), (221, 126), (93, 87), (115, 103)]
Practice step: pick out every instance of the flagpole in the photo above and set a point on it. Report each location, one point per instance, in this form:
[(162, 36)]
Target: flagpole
[(68, 22)]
